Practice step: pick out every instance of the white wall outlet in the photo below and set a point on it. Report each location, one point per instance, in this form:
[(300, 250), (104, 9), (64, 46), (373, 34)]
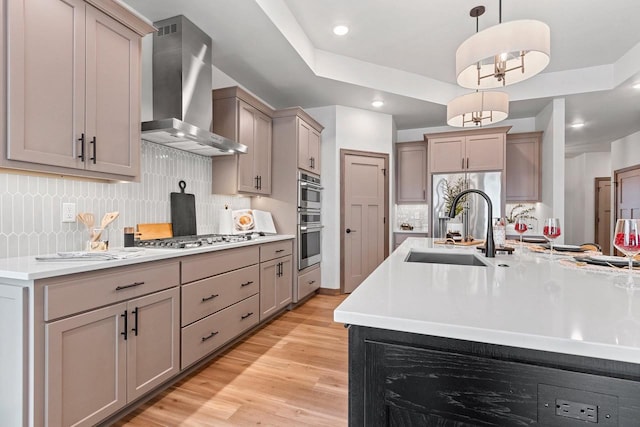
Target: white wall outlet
[(68, 212)]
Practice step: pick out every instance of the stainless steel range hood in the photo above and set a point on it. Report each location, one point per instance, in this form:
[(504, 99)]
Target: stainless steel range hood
[(182, 83)]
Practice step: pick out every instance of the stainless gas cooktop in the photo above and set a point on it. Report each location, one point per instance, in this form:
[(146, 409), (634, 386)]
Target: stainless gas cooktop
[(184, 242)]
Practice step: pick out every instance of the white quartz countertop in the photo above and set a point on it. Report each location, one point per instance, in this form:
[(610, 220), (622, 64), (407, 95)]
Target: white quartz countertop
[(533, 302), (28, 268)]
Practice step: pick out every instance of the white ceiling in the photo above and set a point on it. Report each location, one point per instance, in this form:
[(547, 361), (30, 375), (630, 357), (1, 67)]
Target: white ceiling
[(404, 53)]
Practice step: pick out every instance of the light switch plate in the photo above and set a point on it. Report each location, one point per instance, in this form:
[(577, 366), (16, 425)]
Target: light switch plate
[(68, 212)]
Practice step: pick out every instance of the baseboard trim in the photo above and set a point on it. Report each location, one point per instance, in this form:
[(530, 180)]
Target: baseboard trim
[(328, 291)]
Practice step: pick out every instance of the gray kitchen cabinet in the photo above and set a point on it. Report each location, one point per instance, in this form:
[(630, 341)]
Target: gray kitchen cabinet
[(220, 300), (523, 167), (239, 116), (467, 151), (276, 277), (276, 285), (73, 88), (127, 348), (308, 147), (411, 172)]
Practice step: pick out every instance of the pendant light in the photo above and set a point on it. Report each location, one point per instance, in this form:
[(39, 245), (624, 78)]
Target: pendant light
[(480, 107), (504, 54)]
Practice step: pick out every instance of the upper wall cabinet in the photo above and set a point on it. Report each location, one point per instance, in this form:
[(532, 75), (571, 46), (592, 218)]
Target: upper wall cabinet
[(467, 151), (73, 80), (302, 133), (239, 116), (308, 147), (523, 167), (411, 172)]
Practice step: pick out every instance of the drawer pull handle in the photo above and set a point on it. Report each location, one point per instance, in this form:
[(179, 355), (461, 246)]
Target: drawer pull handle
[(205, 299), (311, 282), (133, 285), (211, 335), (247, 315), (279, 250), (246, 284)]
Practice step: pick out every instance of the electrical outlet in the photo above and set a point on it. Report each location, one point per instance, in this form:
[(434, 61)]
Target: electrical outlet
[(68, 212)]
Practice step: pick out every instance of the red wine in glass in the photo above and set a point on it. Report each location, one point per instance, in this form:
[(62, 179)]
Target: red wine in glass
[(627, 238), (551, 231), (520, 227)]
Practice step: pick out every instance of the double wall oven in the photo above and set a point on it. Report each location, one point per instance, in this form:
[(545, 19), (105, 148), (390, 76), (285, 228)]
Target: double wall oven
[(309, 220)]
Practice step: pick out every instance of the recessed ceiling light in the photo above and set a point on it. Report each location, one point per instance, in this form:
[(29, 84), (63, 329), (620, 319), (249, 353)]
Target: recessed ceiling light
[(377, 104), (340, 30), (577, 125), (636, 86)]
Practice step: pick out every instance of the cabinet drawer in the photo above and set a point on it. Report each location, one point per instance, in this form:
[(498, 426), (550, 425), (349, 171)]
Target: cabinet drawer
[(208, 334), (275, 250), (308, 282), (86, 291), (198, 267), (204, 297)]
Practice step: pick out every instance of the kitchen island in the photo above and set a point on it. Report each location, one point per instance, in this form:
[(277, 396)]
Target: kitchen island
[(522, 340)]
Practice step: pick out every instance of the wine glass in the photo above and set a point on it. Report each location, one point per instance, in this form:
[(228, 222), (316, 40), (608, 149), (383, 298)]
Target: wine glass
[(520, 227), (627, 238), (551, 231)]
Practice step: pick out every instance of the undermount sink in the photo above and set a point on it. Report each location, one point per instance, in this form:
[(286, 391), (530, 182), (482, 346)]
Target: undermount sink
[(441, 258)]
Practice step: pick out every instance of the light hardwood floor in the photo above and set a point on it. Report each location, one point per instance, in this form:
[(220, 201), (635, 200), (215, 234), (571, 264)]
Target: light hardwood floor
[(292, 372)]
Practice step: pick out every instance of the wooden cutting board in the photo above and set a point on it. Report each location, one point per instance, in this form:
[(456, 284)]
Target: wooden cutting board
[(474, 243), (183, 212), (155, 231)]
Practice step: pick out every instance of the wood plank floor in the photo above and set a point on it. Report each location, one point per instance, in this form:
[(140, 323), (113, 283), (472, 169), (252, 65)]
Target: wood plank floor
[(292, 372)]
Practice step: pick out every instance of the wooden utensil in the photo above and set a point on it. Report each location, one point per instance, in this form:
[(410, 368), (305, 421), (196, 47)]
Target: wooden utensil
[(107, 219), (87, 219)]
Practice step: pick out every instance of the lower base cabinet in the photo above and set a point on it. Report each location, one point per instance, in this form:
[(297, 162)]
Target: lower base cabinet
[(309, 281), (99, 361), (276, 285)]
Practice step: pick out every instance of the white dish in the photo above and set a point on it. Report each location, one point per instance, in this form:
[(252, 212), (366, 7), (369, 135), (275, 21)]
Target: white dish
[(611, 259)]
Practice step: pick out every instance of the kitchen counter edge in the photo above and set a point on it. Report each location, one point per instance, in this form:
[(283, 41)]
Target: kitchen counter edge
[(22, 270)]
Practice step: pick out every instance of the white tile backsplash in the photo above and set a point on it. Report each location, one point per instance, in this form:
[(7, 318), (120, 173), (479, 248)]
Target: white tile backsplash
[(31, 205), (416, 215)]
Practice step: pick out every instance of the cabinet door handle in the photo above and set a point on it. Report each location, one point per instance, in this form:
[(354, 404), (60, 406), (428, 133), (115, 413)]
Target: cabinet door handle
[(462, 164), (256, 178), (311, 282), (467, 163), (133, 285), (279, 250), (95, 150), (81, 141), (211, 335), (424, 194), (135, 321), (209, 298), (242, 285), (124, 333), (246, 315), (259, 182), (280, 269)]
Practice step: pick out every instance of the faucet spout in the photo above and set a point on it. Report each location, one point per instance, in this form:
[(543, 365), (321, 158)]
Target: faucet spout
[(489, 245)]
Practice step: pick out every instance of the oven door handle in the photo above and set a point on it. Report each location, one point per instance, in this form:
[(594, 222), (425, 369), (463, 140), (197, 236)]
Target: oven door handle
[(307, 228), (312, 186)]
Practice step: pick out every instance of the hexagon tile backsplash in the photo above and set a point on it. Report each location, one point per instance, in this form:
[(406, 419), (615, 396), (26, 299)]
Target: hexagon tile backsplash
[(31, 206)]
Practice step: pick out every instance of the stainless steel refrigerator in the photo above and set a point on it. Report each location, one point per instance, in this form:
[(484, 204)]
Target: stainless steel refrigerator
[(475, 210)]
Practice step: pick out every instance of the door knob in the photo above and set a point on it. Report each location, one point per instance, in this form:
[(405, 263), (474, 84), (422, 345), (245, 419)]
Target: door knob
[(350, 231)]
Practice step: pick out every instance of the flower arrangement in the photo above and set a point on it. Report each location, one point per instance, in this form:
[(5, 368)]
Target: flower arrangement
[(524, 213), (451, 190)]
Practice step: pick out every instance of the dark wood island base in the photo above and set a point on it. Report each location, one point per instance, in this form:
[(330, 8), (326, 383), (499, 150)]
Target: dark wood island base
[(405, 379)]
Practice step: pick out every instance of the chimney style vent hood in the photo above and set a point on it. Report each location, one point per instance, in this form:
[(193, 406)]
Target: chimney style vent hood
[(182, 83)]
